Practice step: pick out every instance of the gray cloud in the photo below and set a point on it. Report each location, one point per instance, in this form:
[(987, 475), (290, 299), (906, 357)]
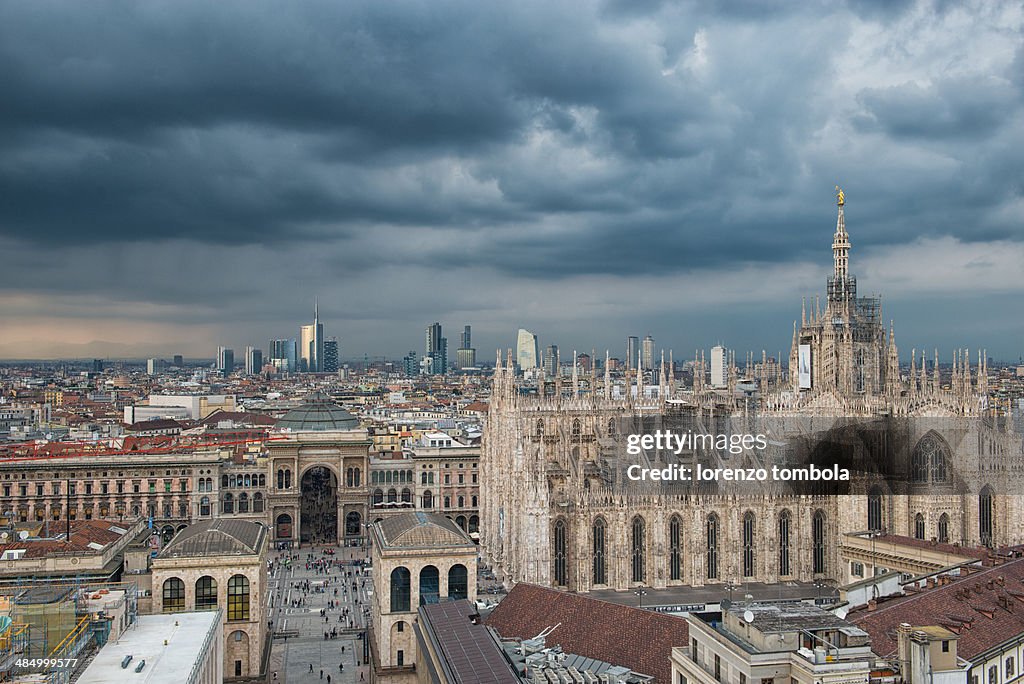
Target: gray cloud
[(253, 154)]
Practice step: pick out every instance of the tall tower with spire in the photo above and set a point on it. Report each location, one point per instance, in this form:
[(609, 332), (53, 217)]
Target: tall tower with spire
[(311, 343), (841, 286)]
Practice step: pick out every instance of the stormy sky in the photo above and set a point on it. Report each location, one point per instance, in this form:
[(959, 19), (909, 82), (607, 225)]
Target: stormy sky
[(177, 175)]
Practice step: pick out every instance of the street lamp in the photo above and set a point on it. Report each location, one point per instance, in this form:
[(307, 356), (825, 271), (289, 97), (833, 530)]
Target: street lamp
[(641, 592)]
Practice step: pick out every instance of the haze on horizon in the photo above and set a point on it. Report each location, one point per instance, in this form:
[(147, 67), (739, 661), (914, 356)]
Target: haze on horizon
[(179, 175)]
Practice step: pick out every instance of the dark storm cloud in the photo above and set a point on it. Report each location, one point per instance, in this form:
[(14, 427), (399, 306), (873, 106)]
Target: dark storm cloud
[(264, 150)]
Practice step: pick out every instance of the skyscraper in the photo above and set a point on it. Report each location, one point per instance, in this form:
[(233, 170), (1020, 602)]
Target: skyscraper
[(411, 364), (551, 360), (465, 356), (179, 361), (311, 344), (632, 344), (331, 355), (225, 360), (719, 369), (283, 355), (647, 353), (527, 350), (253, 361), (436, 349)]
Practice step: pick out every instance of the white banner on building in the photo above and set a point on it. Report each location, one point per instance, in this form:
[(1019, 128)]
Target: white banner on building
[(804, 366)]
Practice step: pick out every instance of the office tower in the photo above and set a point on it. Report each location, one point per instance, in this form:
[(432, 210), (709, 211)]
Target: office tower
[(253, 361), (179, 361), (436, 350), (465, 355), (527, 350), (719, 366), (551, 360), (632, 345), (647, 353), (282, 355), (331, 355), (311, 344), (584, 362), (97, 365), (411, 364), (225, 360), (152, 366)]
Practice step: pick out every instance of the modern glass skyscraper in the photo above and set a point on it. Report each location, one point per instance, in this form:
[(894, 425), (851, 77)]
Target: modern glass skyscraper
[(225, 359), (465, 355), (647, 353), (527, 350), (632, 345), (551, 360), (253, 361), (311, 344), (331, 355), (282, 355), (436, 349)]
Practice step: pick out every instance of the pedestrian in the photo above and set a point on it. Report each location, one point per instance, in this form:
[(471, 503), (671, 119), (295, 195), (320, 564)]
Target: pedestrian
[(311, 668), (328, 679), (321, 673)]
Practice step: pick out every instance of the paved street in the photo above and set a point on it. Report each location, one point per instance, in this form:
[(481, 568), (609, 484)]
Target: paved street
[(298, 595)]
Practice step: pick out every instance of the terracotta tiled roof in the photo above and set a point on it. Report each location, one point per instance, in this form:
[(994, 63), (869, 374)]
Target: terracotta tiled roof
[(101, 533), (984, 608), (638, 639)]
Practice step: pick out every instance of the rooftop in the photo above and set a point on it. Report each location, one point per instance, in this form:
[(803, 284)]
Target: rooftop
[(220, 537), (422, 530), (467, 647), (319, 413), (638, 639), (187, 634)]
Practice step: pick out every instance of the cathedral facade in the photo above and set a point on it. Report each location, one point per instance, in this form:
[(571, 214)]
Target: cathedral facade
[(558, 511)]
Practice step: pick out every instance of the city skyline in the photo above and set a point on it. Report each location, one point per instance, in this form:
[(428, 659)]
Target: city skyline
[(588, 172)]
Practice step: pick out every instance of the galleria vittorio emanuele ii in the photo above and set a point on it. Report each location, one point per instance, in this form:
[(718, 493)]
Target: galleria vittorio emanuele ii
[(931, 461)]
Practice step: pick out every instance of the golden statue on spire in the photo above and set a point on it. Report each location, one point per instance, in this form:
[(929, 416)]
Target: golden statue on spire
[(840, 197)]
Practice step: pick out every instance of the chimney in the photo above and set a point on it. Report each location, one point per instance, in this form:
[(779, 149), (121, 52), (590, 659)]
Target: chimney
[(872, 604), (990, 585), (931, 582)]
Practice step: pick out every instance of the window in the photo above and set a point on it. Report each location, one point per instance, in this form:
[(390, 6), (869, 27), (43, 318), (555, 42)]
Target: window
[(818, 542), (748, 544), (693, 649), (204, 506), (1009, 663), (238, 598), (712, 546), (206, 593), (993, 675), (743, 678), (784, 520), (561, 579), (243, 503), (945, 646), (430, 585), (639, 559), (428, 499), (919, 526), (401, 657), (875, 509), (985, 516), (458, 582), (718, 667), (229, 503), (944, 528), (674, 559), (681, 679), (173, 595), (400, 590), (598, 552), (400, 626), (856, 569)]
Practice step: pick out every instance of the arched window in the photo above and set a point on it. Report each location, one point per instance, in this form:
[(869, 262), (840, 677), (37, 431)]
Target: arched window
[(577, 430), (406, 495), (458, 582), (818, 542), (986, 529), (474, 501), (462, 502), (599, 576), (428, 499), (447, 502), (540, 427), (638, 548), (674, 549), (460, 520), (929, 460), (784, 520), (173, 595), (263, 481), (430, 585), (348, 477), (392, 495), (358, 477), (238, 597), (280, 478), (561, 577), (378, 496), (223, 480), (944, 528), (287, 478), (257, 502), (206, 593), (919, 526), (611, 427), (231, 481), (374, 477), (712, 547), (229, 503), (248, 480), (401, 588), (474, 523), (204, 506), (748, 544), (353, 522), (243, 503), (423, 477), (875, 509)]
